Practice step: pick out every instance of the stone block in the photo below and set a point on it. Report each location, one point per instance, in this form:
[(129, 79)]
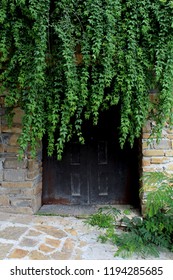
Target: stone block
[(13, 140), (12, 175), (36, 203), (45, 249), (16, 210), (152, 168), (52, 231), (18, 254), (169, 131), (16, 128), (37, 189), (36, 255), (159, 160), (169, 153), (5, 249), (2, 111), (11, 149), (28, 242), (145, 145), (4, 200), (164, 144), (2, 100), (18, 115), (68, 246), (150, 153), (38, 155), (169, 167), (17, 185), (33, 165), (12, 232), (61, 256), (1, 148), (146, 162), (170, 136), (10, 191), (2, 163), (147, 128), (14, 163), (4, 139), (32, 175), (20, 202), (27, 192), (53, 242), (1, 175), (146, 135)]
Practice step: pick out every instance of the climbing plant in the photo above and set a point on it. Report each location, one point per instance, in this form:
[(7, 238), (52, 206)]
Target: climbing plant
[(64, 61)]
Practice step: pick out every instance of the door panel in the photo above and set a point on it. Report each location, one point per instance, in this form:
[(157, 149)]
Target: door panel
[(98, 172)]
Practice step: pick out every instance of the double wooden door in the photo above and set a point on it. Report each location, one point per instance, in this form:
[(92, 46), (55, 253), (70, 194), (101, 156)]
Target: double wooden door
[(98, 172)]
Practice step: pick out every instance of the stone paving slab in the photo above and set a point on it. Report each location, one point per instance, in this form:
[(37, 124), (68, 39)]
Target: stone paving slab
[(30, 237)]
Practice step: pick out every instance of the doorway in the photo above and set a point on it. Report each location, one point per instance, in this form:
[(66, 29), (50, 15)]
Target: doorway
[(98, 172)]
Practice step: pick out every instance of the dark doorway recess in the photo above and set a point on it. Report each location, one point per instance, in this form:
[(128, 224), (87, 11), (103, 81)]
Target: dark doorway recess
[(98, 172)]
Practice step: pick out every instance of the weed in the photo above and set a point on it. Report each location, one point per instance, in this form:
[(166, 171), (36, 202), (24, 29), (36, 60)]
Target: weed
[(142, 236)]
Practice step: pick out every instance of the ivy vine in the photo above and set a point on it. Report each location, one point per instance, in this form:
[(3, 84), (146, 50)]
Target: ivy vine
[(64, 61)]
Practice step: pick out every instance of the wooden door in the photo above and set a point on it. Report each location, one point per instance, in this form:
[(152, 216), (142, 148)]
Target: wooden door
[(98, 172)]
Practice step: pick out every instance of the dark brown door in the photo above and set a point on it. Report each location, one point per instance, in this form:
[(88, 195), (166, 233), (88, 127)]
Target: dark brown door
[(98, 172)]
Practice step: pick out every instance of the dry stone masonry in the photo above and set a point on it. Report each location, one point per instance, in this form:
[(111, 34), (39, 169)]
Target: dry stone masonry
[(157, 156), (20, 181)]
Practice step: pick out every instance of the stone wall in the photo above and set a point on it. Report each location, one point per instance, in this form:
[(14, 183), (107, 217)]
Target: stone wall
[(20, 181), (156, 156)]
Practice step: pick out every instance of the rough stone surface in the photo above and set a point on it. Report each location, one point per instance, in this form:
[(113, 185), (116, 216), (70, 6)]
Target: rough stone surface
[(1, 175), (4, 200), (61, 256), (14, 175), (28, 242), (18, 254), (12, 232), (68, 246), (34, 233), (36, 255), (21, 202), (157, 156), (4, 249), (53, 242), (46, 249), (13, 139), (14, 163), (71, 231), (21, 178), (18, 185), (52, 231), (27, 237)]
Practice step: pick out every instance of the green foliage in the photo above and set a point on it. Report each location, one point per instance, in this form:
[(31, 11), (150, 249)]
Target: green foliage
[(159, 188), (104, 218), (100, 220), (143, 236), (64, 61)]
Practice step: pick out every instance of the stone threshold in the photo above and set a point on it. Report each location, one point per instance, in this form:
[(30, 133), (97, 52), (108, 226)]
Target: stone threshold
[(82, 211)]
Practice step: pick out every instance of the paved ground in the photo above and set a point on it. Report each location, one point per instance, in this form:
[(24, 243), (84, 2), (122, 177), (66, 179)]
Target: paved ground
[(52, 237)]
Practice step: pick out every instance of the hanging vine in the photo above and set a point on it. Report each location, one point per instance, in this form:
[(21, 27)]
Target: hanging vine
[(64, 61)]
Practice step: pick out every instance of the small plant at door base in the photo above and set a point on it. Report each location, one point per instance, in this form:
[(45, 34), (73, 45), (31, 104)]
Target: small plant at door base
[(104, 218), (143, 236)]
